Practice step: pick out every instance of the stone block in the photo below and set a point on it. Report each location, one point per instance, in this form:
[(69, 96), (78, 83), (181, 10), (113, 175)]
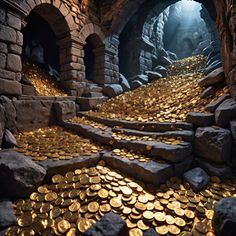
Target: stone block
[(8, 87), (7, 215), (112, 90), (7, 34), (3, 59), (200, 119), (14, 21), (14, 63), (65, 110), (6, 74)]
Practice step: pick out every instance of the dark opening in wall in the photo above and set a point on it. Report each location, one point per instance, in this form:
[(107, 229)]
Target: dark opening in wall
[(40, 42), (92, 60)]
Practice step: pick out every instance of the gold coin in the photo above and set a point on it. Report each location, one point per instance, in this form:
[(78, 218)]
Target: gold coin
[(135, 232), (179, 211), (50, 196), (126, 190), (25, 220), (201, 227), (57, 179), (93, 207), (126, 210), (173, 229), (209, 214), (170, 220), (84, 224), (63, 226), (75, 206), (142, 226), (142, 199), (140, 206), (71, 232), (180, 222), (162, 230), (148, 215), (116, 202), (103, 193), (160, 216), (105, 208)]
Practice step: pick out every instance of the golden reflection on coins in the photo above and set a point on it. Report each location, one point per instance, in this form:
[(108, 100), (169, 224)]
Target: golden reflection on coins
[(72, 204)]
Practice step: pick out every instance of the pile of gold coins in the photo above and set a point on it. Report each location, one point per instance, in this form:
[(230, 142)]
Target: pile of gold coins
[(74, 202), (188, 65), (165, 100), (84, 121), (166, 140), (43, 83), (131, 155), (54, 143)]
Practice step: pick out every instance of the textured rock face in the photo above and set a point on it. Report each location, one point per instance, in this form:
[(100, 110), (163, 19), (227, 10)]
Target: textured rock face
[(19, 175), (224, 220), (7, 216), (200, 119), (213, 144), (197, 178), (65, 110), (110, 225), (9, 140)]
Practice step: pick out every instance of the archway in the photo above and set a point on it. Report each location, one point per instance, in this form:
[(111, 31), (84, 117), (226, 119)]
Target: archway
[(93, 57)]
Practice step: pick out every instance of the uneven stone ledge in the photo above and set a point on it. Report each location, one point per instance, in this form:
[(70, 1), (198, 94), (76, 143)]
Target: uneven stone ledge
[(48, 98), (172, 153), (147, 126), (187, 135), (63, 166), (149, 172)]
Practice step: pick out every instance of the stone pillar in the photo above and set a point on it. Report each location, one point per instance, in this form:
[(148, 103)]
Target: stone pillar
[(11, 42)]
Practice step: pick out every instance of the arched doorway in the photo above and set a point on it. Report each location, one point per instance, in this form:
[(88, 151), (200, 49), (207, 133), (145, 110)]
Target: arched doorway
[(93, 58)]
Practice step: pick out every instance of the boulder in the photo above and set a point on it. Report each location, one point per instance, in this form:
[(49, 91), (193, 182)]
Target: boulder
[(197, 178), (161, 70), (221, 170), (7, 215), (111, 224), (112, 90), (142, 78), (200, 119), (215, 77), (124, 83), (135, 84), (225, 112), (65, 110), (152, 75), (213, 143), (224, 220), (207, 92), (19, 175), (9, 141), (212, 106)]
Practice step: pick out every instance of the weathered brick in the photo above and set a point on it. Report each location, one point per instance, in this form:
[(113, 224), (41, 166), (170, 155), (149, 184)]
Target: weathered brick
[(7, 34), (6, 74), (3, 59), (3, 47), (14, 48), (14, 62), (9, 87), (2, 15), (19, 38), (14, 21)]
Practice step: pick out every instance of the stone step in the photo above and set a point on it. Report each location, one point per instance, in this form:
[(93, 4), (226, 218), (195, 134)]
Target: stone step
[(143, 126), (93, 94), (187, 135), (151, 172), (87, 104), (159, 150)]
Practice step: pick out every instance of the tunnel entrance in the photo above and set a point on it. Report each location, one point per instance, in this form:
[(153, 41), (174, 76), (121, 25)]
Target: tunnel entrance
[(40, 43), (93, 62), (161, 33)]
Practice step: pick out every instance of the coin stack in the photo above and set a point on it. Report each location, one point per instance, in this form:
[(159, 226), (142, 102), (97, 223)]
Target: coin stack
[(131, 155), (43, 83), (171, 141), (84, 121), (55, 143), (74, 202), (165, 100)]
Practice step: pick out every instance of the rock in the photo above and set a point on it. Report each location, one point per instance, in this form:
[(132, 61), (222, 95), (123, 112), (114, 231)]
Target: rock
[(19, 175), (215, 77), (7, 215), (212, 106), (233, 128), (10, 113), (214, 58), (165, 61), (221, 170), (207, 92), (9, 87), (14, 63), (197, 178), (215, 65), (112, 90), (206, 51), (28, 90), (124, 83), (213, 143), (151, 232), (135, 84), (172, 56), (9, 140), (161, 70), (181, 167), (87, 104), (225, 112), (152, 75), (65, 110), (142, 78), (200, 119), (110, 225), (224, 220)]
